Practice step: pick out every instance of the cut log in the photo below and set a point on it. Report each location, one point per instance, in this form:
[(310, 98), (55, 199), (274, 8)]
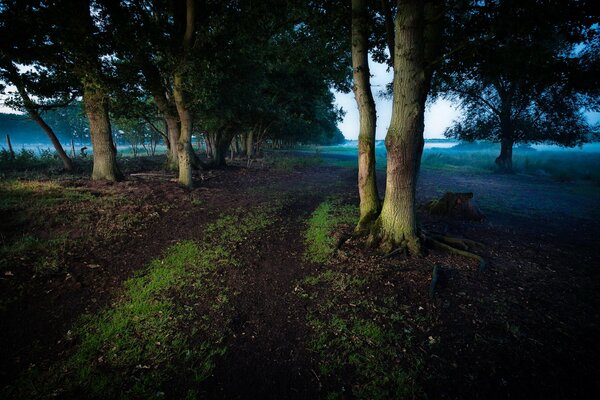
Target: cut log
[(457, 205)]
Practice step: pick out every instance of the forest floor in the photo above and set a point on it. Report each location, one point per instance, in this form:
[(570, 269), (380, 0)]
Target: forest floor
[(236, 289)]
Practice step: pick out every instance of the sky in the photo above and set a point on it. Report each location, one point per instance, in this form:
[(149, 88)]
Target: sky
[(438, 116)]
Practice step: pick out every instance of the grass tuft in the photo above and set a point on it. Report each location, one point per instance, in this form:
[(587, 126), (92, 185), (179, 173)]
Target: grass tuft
[(320, 243)]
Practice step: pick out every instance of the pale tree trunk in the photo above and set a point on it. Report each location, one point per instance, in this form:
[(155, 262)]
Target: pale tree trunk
[(367, 181), (414, 51), (184, 144), (95, 100)]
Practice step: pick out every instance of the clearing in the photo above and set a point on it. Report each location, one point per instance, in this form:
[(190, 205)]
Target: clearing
[(235, 289)]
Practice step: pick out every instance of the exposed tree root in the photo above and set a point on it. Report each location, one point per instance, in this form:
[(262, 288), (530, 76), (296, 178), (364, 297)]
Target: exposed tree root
[(443, 246), (460, 243), (399, 250)]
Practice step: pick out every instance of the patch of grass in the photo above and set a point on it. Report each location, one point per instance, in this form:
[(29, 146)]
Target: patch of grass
[(170, 321), (138, 341), (19, 194), (46, 256), (360, 338), (289, 162), (320, 243)]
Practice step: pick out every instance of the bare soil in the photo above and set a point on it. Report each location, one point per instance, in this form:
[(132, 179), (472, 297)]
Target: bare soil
[(527, 327)]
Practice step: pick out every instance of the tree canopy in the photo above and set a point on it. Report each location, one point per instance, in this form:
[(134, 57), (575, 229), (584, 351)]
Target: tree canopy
[(522, 72)]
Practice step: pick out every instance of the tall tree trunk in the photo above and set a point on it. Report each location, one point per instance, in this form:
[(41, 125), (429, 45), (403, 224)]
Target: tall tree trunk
[(173, 132), (367, 180), (67, 163), (397, 223), (504, 160), (95, 101), (184, 145), (250, 144), (220, 141)]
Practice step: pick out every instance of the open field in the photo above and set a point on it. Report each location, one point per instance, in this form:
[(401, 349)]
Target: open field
[(245, 287)]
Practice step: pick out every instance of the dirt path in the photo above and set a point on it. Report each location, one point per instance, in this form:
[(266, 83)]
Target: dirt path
[(34, 328), (267, 355)]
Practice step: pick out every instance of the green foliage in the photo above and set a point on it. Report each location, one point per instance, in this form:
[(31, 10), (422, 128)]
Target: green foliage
[(320, 243), (136, 341), (518, 74)]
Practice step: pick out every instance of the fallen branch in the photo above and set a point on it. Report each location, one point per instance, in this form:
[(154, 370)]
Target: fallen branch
[(461, 243)]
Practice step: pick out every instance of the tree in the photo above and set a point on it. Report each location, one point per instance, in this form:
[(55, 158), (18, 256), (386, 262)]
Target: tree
[(22, 100), (36, 90), (416, 48), (367, 181), (515, 76)]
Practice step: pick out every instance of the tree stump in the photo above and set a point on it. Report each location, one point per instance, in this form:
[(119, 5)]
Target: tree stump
[(456, 205)]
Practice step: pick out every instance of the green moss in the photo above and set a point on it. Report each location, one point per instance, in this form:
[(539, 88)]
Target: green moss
[(320, 243)]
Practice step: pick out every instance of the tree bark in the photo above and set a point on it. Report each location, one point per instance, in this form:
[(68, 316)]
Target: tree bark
[(184, 144), (95, 101), (250, 144), (173, 134), (367, 182), (397, 223), (504, 160), (220, 142)]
